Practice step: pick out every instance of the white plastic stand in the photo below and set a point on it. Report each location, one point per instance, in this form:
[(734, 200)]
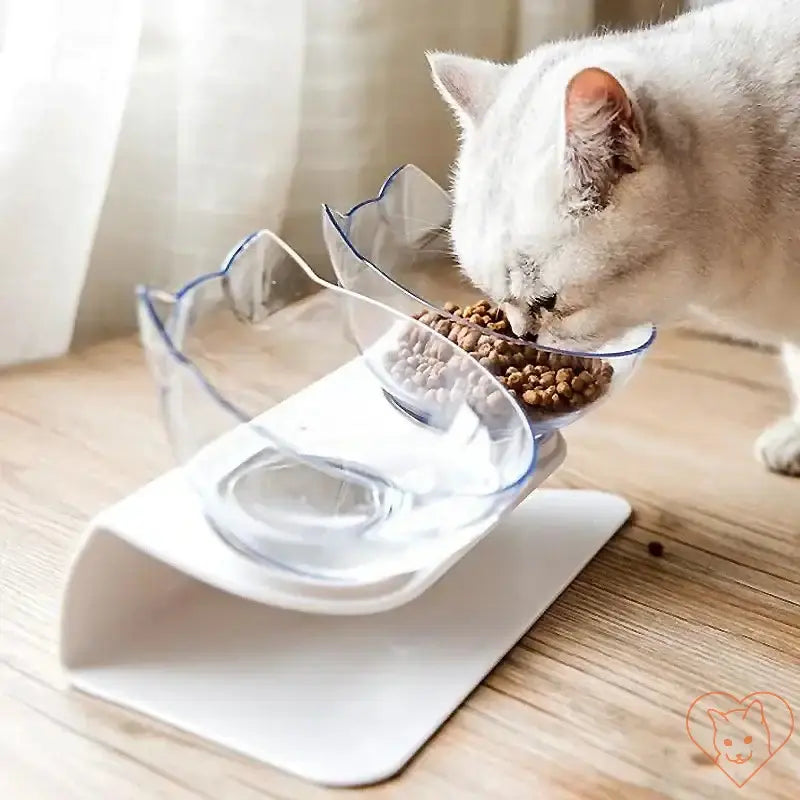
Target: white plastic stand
[(161, 616)]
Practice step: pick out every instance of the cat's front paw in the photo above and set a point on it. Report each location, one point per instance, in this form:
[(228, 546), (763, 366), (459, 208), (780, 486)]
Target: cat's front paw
[(778, 448)]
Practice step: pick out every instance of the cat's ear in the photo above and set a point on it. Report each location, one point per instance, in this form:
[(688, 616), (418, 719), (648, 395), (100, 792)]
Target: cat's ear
[(755, 711), (468, 85), (717, 717), (603, 134)]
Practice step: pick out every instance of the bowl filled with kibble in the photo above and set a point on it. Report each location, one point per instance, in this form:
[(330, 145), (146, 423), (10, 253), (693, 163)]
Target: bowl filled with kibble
[(395, 248)]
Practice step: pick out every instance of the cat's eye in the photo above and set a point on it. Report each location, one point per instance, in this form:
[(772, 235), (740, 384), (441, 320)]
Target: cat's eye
[(727, 743), (748, 739)]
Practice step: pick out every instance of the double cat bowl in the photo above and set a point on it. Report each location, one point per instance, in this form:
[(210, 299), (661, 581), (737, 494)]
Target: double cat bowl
[(314, 476)]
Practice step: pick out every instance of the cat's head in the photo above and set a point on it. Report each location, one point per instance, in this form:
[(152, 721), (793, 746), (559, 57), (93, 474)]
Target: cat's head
[(741, 733), (564, 209)]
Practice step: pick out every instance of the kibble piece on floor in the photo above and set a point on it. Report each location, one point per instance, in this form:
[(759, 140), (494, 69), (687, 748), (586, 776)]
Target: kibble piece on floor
[(656, 549)]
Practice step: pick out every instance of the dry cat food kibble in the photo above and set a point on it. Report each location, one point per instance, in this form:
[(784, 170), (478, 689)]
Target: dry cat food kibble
[(543, 382), (656, 549)]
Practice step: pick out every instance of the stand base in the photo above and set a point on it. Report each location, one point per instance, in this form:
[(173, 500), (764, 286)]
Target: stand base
[(338, 700)]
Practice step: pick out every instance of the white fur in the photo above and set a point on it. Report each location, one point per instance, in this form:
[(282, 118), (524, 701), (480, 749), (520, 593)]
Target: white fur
[(704, 221)]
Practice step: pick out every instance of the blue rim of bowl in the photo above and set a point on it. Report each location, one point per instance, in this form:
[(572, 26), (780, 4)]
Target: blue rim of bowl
[(144, 294), (331, 215)]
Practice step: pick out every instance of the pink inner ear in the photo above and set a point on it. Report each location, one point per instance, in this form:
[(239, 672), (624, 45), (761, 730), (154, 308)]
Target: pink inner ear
[(592, 89)]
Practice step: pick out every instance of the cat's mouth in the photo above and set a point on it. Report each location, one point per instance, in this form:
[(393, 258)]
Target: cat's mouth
[(555, 331), (554, 326), (739, 758)]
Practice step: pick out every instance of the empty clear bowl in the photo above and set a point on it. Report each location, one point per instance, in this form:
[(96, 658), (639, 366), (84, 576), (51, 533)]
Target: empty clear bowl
[(326, 432), (394, 248)]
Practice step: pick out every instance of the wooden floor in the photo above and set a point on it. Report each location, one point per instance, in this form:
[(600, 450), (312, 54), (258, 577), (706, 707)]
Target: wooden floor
[(590, 704)]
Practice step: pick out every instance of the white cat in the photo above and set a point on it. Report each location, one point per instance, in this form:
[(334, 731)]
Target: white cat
[(648, 176)]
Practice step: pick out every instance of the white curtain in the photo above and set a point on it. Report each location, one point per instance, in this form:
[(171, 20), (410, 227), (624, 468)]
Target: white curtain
[(140, 139)]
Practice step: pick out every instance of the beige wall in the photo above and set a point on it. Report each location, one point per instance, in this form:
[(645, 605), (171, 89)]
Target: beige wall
[(632, 12)]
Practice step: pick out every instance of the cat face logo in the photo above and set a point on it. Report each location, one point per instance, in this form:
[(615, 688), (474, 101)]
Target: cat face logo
[(740, 736)]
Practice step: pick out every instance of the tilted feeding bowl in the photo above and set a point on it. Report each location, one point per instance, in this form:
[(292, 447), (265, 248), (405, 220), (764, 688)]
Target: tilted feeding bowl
[(292, 408), (394, 248)]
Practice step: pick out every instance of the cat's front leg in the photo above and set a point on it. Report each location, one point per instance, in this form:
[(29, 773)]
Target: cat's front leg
[(779, 446)]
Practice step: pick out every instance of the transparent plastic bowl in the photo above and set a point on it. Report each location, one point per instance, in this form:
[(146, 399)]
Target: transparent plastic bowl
[(298, 414), (394, 248)]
